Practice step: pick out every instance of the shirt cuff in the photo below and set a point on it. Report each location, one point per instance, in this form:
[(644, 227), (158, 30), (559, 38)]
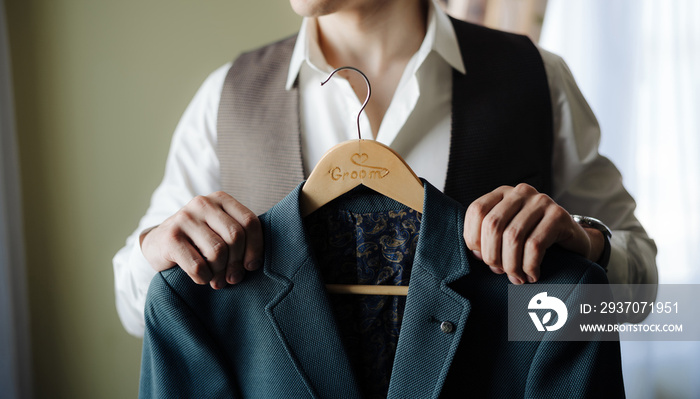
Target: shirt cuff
[(618, 270), (133, 275)]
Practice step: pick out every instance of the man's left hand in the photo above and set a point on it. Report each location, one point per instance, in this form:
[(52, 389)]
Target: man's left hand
[(510, 229)]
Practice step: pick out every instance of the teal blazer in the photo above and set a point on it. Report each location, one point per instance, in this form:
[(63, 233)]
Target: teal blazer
[(274, 335)]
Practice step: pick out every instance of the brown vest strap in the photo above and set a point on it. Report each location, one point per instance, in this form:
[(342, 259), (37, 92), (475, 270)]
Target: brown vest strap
[(259, 142)]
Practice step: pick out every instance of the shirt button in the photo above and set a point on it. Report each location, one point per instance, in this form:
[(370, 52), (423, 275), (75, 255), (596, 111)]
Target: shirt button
[(447, 327)]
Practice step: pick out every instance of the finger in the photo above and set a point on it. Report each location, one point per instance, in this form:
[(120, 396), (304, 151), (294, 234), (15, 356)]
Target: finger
[(514, 239), (185, 255), (218, 281), (193, 242), (496, 270), (515, 280), (220, 211), (545, 234), (157, 255), (235, 272), (233, 236), (494, 225), (252, 252), (207, 226), (476, 212), (213, 249)]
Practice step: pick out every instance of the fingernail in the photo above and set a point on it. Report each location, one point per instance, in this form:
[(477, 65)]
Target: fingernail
[(234, 277), (515, 280), (254, 265), (531, 279)]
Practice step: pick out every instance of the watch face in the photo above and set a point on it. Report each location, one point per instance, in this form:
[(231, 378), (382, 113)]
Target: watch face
[(593, 223)]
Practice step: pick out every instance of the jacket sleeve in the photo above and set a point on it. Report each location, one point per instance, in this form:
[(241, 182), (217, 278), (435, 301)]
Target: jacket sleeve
[(180, 359), (590, 368)]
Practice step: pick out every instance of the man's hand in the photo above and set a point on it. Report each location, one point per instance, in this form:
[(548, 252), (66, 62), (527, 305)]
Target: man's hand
[(213, 238), (510, 229)]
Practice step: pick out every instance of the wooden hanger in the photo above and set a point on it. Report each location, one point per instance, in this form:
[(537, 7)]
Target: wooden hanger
[(366, 162)]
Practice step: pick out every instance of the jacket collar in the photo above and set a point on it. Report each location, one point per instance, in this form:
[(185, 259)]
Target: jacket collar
[(441, 224), (304, 321)]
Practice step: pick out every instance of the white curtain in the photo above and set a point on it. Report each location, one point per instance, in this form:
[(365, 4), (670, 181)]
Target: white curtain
[(638, 64), (15, 372)]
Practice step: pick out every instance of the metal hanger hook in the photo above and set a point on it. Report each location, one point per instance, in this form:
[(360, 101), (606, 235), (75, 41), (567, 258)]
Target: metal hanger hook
[(369, 92)]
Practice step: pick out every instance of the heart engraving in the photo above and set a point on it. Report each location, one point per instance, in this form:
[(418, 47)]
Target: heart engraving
[(359, 159)]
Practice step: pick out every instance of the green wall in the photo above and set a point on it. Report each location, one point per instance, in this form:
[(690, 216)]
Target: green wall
[(99, 88)]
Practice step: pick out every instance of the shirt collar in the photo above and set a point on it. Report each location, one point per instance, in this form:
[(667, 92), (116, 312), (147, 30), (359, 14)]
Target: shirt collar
[(440, 37)]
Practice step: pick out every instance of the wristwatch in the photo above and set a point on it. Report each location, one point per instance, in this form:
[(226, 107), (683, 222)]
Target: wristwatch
[(594, 223)]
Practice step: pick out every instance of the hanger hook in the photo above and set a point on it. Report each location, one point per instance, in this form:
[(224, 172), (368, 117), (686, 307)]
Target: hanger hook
[(369, 92)]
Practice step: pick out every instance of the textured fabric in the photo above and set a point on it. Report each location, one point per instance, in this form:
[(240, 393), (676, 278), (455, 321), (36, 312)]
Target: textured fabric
[(258, 129), (501, 116), (275, 336), (501, 121), (373, 248)]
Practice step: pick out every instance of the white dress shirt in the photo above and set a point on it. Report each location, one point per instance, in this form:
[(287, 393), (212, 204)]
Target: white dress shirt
[(417, 125)]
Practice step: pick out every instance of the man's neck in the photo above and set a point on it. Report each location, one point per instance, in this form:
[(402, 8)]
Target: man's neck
[(372, 36), (379, 39)]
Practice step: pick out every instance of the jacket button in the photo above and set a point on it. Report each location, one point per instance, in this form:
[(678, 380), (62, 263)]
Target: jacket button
[(447, 327)]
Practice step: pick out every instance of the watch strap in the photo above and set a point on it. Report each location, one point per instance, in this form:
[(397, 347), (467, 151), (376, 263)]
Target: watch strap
[(594, 223)]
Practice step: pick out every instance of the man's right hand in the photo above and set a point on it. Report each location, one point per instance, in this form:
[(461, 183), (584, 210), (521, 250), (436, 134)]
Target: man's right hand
[(213, 238)]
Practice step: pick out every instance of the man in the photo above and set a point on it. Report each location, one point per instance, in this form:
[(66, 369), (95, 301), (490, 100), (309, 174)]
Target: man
[(412, 55)]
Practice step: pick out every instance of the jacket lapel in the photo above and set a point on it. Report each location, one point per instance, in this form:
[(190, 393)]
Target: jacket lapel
[(435, 315), (433, 320), (301, 314)]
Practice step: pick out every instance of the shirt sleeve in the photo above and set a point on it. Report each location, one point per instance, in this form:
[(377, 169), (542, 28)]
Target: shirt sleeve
[(192, 169), (588, 183)]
